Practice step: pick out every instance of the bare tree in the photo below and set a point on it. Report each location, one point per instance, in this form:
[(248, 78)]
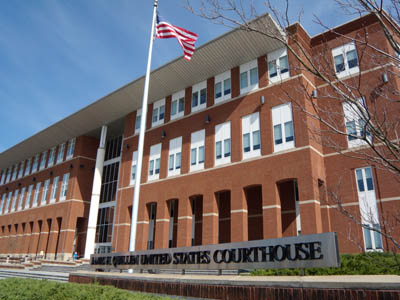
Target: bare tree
[(357, 114)]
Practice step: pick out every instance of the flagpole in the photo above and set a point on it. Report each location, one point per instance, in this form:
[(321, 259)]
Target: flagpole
[(135, 204)]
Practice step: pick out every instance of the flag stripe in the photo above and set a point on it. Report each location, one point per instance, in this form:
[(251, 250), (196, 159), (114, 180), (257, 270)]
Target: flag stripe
[(185, 38)]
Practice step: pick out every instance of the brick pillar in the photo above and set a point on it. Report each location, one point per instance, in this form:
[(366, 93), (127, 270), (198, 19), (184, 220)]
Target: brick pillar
[(210, 91), (162, 221), (20, 239), (210, 219), (33, 247), (184, 238), (53, 236), (66, 239), (7, 240), (44, 237), (239, 215), (13, 240), (167, 116), (142, 226), (310, 210), (272, 219), (188, 101), (27, 250), (3, 239)]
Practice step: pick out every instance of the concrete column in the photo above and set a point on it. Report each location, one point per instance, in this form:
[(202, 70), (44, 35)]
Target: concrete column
[(95, 199), (272, 218), (239, 215), (210, 219)]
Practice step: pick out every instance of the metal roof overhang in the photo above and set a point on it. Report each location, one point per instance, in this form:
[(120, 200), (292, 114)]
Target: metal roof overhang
[(219, 55)]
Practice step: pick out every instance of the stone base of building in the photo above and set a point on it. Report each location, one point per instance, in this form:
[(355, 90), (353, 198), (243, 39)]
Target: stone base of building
[(248, 287)]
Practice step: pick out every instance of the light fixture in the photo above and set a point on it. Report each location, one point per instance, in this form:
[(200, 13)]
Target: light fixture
[(51, 173), (127, 146), (163, 134), (81, 166), (314, 94), (208, 119), (19, 183), (71, 166), (385, 78), (34, 179), (262, 100)]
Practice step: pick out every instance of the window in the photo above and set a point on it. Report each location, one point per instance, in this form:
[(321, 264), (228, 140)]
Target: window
[(7, 208), (178, 105), (51, 157), (152, 209), (199, 96), (29, 196), (14, 174), (28, 167), (71, 148), (45, 192), (35, 163), (197, 150), (43, 160), (138, 120), (8, 178), (354, 118), (158, 112), (154, 162), (345, 60), (104, 225), (249, 76), (60, 155), (133, 168), (14, 202), (21, 199), (36, 195), (222, 90), (223, 143), (54, 189), (21, 169), (278, 65), (3, 200), (368, 209), (175, 156), (64, 187), (283, 127), (251, 135)]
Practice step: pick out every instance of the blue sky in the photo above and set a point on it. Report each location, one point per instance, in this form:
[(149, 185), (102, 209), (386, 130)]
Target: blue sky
[(58, 56)]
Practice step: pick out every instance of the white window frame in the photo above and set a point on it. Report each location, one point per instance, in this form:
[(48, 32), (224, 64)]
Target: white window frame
[(275, 58), (197, 88), (28, 197), (282, 118), (14, 173), (8, 177), (52, 156), (36, 194), (54, 189), (64, 187), (223, 142), (134, 167), (8, 206), (248, 68), (250, 126), (21, 169), (354, 115), (14, 201), (175, 154), (176, 98), (368, 208), (28, 166), (43, 159), (197, 146), (60, 154), (158, 114), (221, 79), (3, 202), (35, 163), (71, 148), (21, 199), (138, 120), (154, 161), (45, 192), (344, 50)]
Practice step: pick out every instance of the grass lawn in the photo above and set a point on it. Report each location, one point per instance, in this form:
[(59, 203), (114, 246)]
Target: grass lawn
[(31, 289)]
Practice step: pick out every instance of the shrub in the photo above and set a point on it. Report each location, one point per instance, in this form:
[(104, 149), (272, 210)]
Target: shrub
[(31, 289), (374, 263)]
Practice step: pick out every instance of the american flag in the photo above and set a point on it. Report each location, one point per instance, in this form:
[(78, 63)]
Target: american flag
[(185, 38)]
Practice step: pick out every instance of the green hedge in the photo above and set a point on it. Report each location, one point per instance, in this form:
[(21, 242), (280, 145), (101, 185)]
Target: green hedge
[(31, 289), (351, 264)]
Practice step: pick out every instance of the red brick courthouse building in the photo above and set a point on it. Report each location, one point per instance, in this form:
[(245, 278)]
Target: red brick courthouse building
[(228, 156)]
